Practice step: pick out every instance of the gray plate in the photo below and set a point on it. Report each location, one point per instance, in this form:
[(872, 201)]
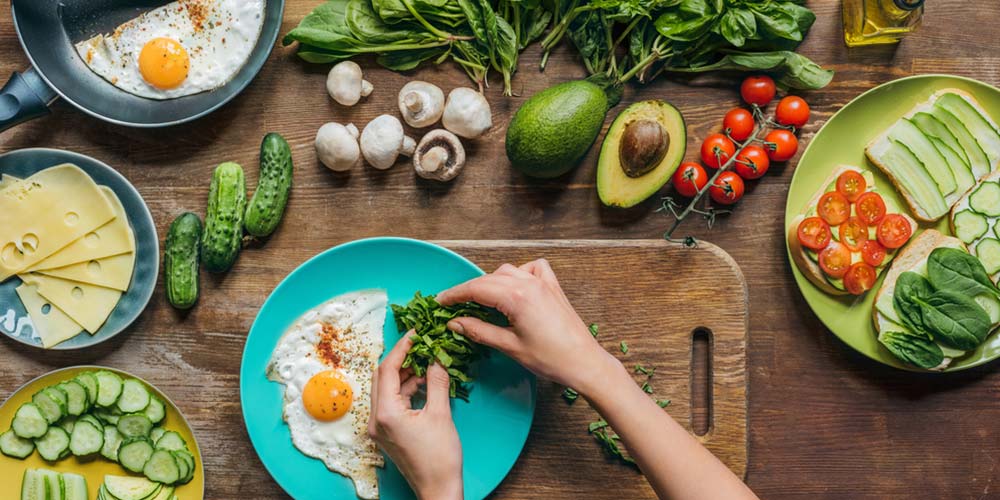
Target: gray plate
[(14, 321)]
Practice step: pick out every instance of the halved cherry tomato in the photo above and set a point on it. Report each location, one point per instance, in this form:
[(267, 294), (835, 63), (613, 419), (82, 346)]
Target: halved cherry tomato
[(834, 208), (689, 178), (792, 110), (873, 253), (814, 233), (727, 188), (716, 150), (782, 145), (894, 231), (757, 89), (852, 185), (752, 162), (859, 278), (835, 259), (870, 207), (739, 123), (853, 233)]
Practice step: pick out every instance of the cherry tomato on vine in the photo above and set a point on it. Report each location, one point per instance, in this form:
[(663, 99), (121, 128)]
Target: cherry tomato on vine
[(814, 233), (757, 90), (716, 150), (852, 185), (752, 162), (835, 259), (859, 278), (727, 188), (894, 231), (782, 145), (739, 122), (792, 110), (689, 178)]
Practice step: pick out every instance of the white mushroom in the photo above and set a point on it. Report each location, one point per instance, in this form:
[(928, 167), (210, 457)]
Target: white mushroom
[(345, 84), (421, 103), (383, 140), (337, 146), (439, 156), (467, 113)]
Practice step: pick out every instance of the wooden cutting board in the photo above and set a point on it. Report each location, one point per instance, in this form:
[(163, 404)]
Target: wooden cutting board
[(654, 296)]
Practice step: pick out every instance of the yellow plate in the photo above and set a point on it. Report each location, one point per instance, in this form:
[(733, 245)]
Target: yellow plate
[(92, 468)]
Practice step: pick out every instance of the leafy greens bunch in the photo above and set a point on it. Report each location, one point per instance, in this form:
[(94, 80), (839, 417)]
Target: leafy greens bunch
[(643, 38), (435, 342), (480, 35)]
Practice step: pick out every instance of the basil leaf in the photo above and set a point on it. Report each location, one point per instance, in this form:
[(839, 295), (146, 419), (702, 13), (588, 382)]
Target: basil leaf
[(737, 25), (958, 271), (912, 348), (955, 320)]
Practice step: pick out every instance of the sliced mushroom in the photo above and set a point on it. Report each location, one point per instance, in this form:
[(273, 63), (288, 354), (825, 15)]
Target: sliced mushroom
[(337, 146), (383, 140), (439, 156), (346, 85), (421, 103), (467, 113)]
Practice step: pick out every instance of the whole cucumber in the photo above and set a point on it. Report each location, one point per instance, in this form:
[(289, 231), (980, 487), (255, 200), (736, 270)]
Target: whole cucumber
[(227, 200), (180, 261), (267, 206)]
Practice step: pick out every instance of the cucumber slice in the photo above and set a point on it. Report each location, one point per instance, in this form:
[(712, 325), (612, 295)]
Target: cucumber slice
[(166, 492), (134, 396), (991, 305), (156, 434), (53, 445), (984, 131), (130, 488), (162, 468), (988, 252), (188, 458), (133, 455), (156, 410), (978, 160), (959, 167), (934, 128), (906, 133), (109, 387), (15, 446), (182, 465), (53, 484), (112, 441), (913, 178), (86, 439), (49, 406), (986, 199), (970, 226), (171, 440), (92, 419), (135, 425), (33, 485), (89, 381), (29, 422), (76, 397), (75, 486), (109, 416), (67, 423)]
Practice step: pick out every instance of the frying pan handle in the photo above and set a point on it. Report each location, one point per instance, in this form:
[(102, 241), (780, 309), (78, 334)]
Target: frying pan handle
[(25, 96)]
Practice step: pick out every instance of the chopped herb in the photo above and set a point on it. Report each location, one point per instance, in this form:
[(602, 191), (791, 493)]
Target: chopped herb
[(600, 424), (570, 395), (662, 403), (435, 342), (645, 371), (623, 346), (648, 389), (609, 440), (593, 329)]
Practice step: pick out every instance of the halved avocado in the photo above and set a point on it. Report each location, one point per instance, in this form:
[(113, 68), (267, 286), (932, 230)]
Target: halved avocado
[(642, 149)]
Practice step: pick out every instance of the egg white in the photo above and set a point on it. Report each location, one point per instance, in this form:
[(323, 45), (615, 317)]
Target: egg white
[(218, 35), (343, 444)]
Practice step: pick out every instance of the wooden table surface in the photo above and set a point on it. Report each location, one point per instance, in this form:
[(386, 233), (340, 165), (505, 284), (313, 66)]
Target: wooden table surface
[(825, 422)]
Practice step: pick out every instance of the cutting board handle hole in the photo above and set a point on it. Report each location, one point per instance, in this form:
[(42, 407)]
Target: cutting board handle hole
[(701, 381)]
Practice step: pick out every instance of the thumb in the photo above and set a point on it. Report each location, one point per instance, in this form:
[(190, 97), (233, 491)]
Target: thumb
[(484, 333), (438, 389)]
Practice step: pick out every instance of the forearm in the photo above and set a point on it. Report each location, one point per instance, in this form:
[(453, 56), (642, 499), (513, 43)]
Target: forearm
[(674, 462)]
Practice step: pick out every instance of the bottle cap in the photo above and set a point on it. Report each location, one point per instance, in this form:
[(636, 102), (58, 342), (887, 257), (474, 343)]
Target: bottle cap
[(909, 4)]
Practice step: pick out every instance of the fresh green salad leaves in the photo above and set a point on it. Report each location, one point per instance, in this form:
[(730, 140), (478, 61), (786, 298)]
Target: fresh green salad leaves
[(913, 348), (435, 342)]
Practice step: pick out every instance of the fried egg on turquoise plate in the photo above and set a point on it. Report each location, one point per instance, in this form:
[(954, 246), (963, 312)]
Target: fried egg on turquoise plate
[(181, 48), (325, 361)]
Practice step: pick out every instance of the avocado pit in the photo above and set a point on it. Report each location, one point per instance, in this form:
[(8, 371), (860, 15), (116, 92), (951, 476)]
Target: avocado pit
[(644, 143)]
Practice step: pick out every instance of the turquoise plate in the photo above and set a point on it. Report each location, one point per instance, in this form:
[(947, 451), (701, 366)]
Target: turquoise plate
[(14, 321), (493, 425)]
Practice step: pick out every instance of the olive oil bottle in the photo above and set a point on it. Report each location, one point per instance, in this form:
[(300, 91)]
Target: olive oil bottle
[(871, 22)]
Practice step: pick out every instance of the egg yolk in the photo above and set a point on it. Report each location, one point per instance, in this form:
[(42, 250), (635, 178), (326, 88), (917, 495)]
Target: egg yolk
[(163, 63), (327, 396)]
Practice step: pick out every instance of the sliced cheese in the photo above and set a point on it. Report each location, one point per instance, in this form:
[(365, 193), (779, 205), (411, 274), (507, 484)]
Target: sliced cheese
[(112, 272), (45, 212), (7, 181), (50, 323), (113, 238), (88, 305)]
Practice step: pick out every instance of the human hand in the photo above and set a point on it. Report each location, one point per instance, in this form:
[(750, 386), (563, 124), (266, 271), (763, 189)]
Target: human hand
[(422, 443), (546, 334)]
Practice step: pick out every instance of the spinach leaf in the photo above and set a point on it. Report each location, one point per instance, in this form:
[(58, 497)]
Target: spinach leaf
[(407, 60), (793, 70), (737, 25), (955, 320), (911, 289), (912, 348), (958, 271)]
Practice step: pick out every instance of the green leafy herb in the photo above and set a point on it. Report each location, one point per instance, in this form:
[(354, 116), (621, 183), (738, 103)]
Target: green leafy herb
[(662, 403), (912, 348), (609, 440), (648, 389), (623, 347), (958, 271), (593, 329), (570, 395), (645, 371), (433, 341)]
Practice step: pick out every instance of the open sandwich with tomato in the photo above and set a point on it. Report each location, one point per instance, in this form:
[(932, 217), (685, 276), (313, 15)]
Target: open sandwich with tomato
[(848, 233)]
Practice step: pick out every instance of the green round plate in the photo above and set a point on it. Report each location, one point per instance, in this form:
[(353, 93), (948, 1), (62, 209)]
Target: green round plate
[(842, 141)]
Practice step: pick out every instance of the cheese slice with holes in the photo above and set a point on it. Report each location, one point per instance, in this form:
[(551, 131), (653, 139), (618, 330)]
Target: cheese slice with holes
[(50, 323), (113, 238), (112, 272), (45, 212), (88, 305)]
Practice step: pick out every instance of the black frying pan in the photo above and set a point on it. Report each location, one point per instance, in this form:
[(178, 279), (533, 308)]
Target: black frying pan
[(48, 29)]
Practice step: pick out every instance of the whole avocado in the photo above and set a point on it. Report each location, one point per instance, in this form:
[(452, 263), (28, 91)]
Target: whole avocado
[(553, 130)]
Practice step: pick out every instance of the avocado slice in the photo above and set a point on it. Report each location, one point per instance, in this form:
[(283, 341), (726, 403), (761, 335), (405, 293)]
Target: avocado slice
[(649, 161)]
